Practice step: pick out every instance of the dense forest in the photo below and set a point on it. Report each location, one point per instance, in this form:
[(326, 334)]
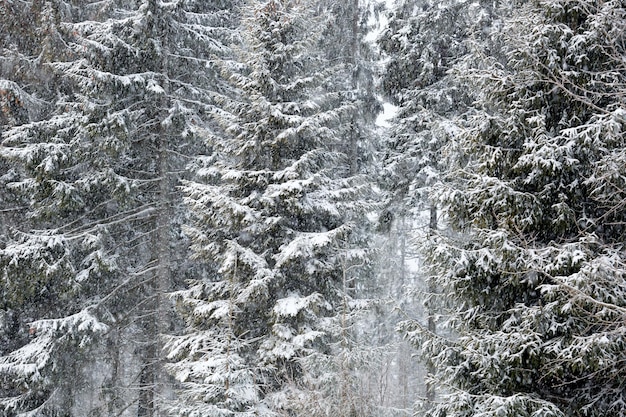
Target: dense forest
[(356, 208)]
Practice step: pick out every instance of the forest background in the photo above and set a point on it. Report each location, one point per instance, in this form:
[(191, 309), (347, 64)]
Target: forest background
[(204, 210)]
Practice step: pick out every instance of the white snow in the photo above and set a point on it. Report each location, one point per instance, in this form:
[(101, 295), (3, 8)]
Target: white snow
[(388, 113), (290, 306)]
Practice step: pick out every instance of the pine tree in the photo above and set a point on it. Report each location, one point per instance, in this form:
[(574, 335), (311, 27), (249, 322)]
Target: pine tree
[(535, 270), (277, 214), (90, 269)]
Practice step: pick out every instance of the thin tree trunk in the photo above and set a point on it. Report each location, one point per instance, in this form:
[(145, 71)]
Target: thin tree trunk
[(151, 379), (152, 387), (432, 326)]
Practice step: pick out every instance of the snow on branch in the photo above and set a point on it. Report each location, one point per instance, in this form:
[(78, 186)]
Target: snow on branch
[(307, 245), (291, 305), (48, 337)]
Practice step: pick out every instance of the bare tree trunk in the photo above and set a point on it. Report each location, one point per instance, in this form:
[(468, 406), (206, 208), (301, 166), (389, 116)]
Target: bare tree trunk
[(152, 387), (354, 58), (151, 379), (432, 326)]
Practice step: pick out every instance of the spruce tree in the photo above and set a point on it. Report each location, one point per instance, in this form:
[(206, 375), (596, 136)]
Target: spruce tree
[(277, 215), (534, 271), (343, 382), (89, 270)]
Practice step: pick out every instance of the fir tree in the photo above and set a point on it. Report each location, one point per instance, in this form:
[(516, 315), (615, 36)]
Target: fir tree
[(423, 42), (91, 266), (535, 270), (277, 209)]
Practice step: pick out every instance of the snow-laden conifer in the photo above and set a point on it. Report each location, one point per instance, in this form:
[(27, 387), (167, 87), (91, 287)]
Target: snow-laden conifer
[(277, 211), (422, 42), (535, 271), (87, 270)]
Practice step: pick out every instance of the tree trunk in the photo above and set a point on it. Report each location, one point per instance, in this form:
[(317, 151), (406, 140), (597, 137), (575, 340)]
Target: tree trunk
[(432, 326)]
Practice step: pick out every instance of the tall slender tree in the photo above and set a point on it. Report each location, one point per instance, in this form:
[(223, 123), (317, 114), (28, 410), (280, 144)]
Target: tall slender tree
[(277, 213), (348, 384), (102, 244)]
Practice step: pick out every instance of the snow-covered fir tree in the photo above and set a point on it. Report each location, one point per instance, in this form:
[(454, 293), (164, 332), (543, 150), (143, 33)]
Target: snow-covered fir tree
[(19, 104), (344, 45), (423, 41), (84, 275), (279, 211), (29, 89), (534, 272)]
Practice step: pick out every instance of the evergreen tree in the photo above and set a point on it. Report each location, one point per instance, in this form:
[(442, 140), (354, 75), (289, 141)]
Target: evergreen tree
[(347, 381), (535, 270), (423, 42), (102, 244), (343, 43), (278, 214)]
